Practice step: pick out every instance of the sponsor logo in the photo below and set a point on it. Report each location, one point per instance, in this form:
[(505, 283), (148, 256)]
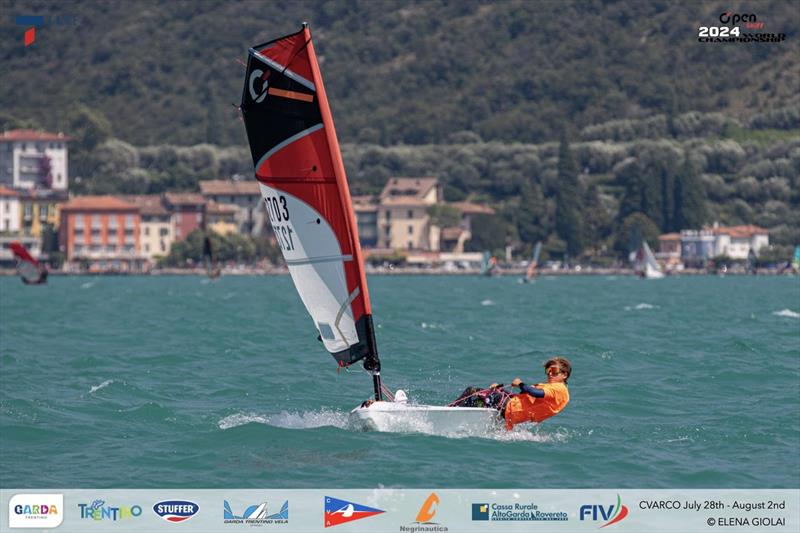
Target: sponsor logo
[(341, 511), (424, 522), (176, 510), (264, 77), (256, 515), (98, 510), (35, 510), (515, 512), (31, 22), (610, 513)]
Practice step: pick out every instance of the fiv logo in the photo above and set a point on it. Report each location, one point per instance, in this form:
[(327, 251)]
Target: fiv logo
[(611, 514)]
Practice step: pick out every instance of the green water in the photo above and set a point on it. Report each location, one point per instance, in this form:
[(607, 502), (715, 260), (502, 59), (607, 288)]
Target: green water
[(177, 382)]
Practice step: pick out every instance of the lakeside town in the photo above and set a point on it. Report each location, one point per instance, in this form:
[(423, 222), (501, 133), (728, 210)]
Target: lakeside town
[(407, 228)]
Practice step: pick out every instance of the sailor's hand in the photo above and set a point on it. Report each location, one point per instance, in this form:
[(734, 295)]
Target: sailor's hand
[(516, 382)]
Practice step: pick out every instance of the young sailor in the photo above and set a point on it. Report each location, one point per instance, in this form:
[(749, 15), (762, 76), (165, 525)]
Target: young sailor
[(533, 404)]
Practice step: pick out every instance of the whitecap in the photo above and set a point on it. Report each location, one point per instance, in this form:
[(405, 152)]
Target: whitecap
[(288, 420), (787, 313), (487, 302), (87, 285), (103, 385), (640, 306)]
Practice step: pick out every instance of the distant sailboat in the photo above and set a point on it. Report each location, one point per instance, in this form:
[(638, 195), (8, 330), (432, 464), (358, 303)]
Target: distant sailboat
[(645, 265), (534, 264), (30, 270), (489, 266), (302, 179), (212, 270)]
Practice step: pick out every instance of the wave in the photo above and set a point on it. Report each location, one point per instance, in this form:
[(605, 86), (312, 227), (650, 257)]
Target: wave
[(103, 385), (487, 302), (639, 307), (787, 313), (288, 420)]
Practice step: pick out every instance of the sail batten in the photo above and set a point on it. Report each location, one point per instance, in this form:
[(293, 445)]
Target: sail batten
[(303, 183)]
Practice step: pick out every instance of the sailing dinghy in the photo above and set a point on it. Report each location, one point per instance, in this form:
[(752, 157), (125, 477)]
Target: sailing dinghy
[(645, 265), (302, 179), (213, 271), (30, 270)]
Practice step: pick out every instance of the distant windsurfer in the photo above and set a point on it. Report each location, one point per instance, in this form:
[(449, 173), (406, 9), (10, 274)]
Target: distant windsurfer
[(533, 403)]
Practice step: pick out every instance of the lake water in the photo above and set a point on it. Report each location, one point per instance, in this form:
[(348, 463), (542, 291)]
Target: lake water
[(140, 382)]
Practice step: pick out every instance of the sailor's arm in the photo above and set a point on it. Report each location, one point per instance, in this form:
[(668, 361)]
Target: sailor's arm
[(527, 389)]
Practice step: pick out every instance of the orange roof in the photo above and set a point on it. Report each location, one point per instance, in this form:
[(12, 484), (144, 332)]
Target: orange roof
[(364, 203), (148, 204), (184, 198), (97, 203), (32, 135), (670, 237), (741, 232), (469, 208), (406, 191), (230, 187), (7, 192)]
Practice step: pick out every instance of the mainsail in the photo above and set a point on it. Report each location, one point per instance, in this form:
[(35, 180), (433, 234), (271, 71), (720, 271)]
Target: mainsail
[(30, 270), (208, 256), (531, 272), (302, 179), (645, 264)]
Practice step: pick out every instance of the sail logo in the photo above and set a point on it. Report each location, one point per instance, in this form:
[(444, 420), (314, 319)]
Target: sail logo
[(424, 521), (35, 510), (342, 511), (610, 513), (256, 514), (176, 510), (259, 74), (98, 510)]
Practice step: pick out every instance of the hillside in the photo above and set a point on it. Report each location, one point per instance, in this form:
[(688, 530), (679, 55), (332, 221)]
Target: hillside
[(397, 72)]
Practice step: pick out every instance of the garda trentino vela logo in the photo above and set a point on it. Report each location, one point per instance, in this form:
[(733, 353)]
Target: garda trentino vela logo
[(341, 511), (610, 513), (35, 510)]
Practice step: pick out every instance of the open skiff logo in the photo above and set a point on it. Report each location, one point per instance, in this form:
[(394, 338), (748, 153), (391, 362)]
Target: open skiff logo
[(610, 513), (36, 510), (176, 510), (341, 511)]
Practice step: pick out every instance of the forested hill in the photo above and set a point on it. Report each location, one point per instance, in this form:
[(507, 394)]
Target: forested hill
[(397, 72)]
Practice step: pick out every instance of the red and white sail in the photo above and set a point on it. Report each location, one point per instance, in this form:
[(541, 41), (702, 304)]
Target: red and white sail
[(302, 179), (30, 270)]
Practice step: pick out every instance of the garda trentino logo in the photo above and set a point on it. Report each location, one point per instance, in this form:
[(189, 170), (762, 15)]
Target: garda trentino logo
[(98, 510), (340, 511), (610, 513), (176, 510), (36, 510)]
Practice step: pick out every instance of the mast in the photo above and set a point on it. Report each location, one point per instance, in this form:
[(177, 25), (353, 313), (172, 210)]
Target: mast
[(372, 361)]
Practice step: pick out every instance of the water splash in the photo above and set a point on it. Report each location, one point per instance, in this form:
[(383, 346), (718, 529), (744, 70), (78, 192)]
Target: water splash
[(487, 302), (103, 385), (641, 306), (288, 420), (787, 313)]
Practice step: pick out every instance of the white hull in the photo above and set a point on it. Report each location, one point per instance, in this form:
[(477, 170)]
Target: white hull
[(400, 417)]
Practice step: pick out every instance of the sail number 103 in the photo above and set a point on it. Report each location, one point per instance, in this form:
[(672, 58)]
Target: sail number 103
[(279, 212)]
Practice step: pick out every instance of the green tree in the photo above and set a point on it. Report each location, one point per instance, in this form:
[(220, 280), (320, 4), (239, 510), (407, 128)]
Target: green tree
[(532, 223), (633, 229), (690, 201), (444, 216), (569, 221)]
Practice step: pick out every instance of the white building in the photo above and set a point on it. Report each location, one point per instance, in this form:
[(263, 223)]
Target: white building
[(33, 159), (737, 241), (156, 231), (9, 211), (403, 220), (251, 215)]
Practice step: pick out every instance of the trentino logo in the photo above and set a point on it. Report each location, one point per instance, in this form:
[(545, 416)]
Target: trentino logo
[(98, 510), (341, 511), (35, 510), (256, 514), (176, 510), (611, 513)]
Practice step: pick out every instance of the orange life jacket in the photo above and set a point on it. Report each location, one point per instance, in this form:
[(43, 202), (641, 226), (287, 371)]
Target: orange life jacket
[(525, 408)]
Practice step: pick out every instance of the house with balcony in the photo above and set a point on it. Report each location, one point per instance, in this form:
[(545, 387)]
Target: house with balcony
[(32, 159), (736, 242), (39, 209), (402, 214), (245, 194), (222, 218), (101, 234)]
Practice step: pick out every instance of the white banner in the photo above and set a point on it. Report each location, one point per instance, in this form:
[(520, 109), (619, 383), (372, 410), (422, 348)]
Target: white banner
[(401, 510)]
